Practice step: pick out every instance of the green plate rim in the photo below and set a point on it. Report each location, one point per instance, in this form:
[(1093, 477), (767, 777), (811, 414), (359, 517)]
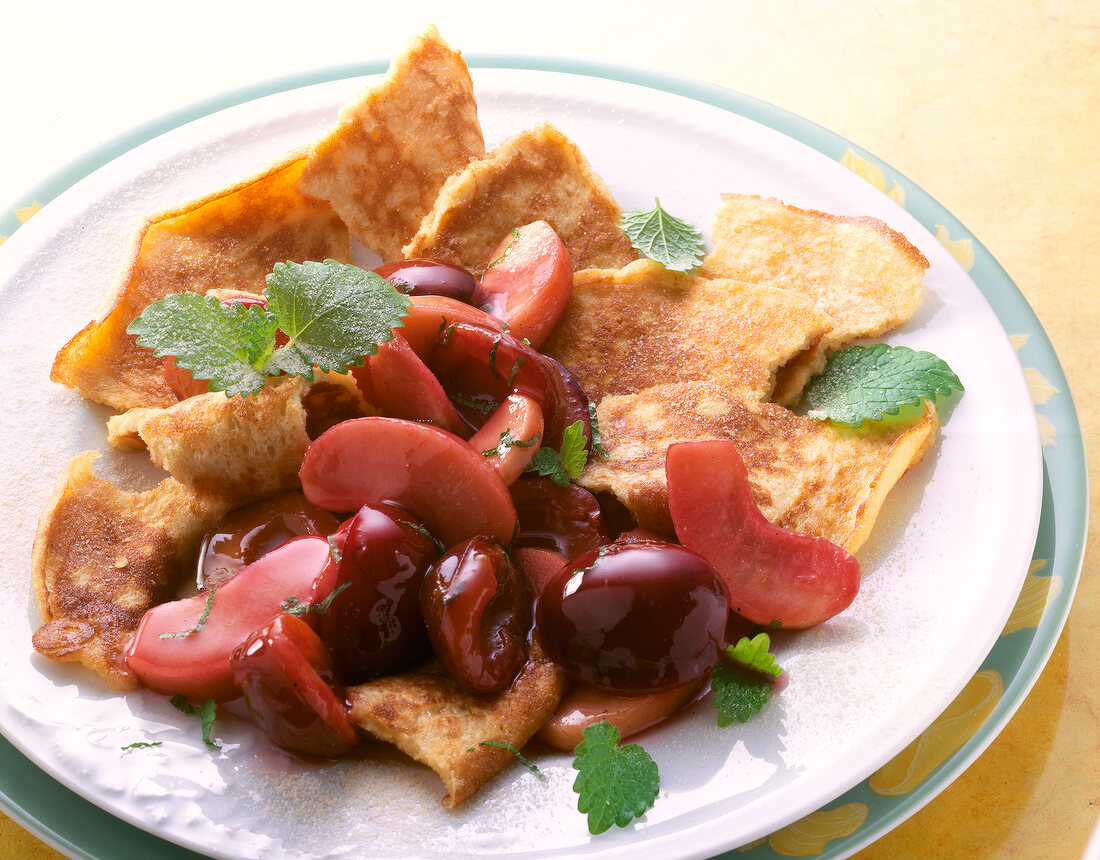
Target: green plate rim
[(80, 829)]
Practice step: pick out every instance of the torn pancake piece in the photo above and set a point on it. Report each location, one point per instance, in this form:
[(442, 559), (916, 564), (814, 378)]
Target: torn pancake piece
[(428, 717), (627, 329), (537, 175), (228, 240), (807, 476), (862, 273), (383, 163), (103, 556), (241, 449)]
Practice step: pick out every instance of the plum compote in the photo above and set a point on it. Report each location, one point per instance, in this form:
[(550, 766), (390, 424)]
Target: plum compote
[(635, 616), (243, 535), (478, 610), (430, 278), (373, 625)]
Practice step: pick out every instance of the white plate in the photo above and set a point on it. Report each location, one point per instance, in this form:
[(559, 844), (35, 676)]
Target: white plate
[(941, 573)]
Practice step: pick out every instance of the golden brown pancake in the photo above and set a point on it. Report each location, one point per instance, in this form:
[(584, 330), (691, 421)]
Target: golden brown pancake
[(229, 240), (384, 162), (628, 329), (103, 556), (535, 175), (808, 476), (427, 716), (859, 271), (241, 449)]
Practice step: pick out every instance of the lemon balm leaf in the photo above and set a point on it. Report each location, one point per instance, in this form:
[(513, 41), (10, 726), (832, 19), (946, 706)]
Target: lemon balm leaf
[(741, 680), (755, 654), (333, 314), (738, 695), (672, 242), (565, 465), (869, 382), (615, 784), (227, 345)]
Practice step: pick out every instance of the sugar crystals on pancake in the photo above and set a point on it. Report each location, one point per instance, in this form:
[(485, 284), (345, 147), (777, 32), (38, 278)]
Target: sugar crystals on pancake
[(537, 175)]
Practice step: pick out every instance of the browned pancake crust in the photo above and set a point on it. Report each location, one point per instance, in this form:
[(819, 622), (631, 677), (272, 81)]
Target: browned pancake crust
[(241, 449), (383, 163), (866, 276), (103, 556), (229, 240), (807, 476), (429, 718), (535, 175), (632, 328)]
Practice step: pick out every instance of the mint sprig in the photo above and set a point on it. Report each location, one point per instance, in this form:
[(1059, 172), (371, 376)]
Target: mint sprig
[(331, 314), (741, 680), (565, 465), (671, 241), (869, 382), (616, 783)]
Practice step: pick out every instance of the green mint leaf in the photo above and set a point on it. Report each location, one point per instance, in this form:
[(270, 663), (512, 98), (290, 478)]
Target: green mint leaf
[(519, 757), (141, 745), (566, 465), (616, 783), (200, 623), (229, 345), (755, 654), (739, 681), (868, 382), (738, 695), (207, 713), (675, 244), (333, 315)]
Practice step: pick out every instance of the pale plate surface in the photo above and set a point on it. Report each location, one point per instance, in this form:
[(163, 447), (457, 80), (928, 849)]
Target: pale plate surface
[(942, 571)]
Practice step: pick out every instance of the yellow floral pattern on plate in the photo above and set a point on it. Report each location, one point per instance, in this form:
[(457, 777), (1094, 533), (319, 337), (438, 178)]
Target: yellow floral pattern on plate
[(808, 836), (873, 174), (954, 727), (1036, 595)]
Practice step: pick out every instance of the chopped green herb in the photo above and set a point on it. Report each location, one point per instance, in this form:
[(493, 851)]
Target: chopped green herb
[(200, 623), (332, 314), (335, 550), (566, 465), (672, 242), (293, 606), (485, 405), (597, 440), (207, 713), (140, 745), (616, 783), (519, 757), (508, 440), (500, 259), (868, 382), (417, 527)]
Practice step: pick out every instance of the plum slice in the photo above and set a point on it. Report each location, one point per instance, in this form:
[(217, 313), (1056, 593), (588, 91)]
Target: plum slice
[(528, 282), (773, 576), (284, 672), (184, 646), (431, 473)]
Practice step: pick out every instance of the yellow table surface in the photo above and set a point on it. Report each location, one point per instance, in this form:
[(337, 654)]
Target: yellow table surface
[(992, 107)]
